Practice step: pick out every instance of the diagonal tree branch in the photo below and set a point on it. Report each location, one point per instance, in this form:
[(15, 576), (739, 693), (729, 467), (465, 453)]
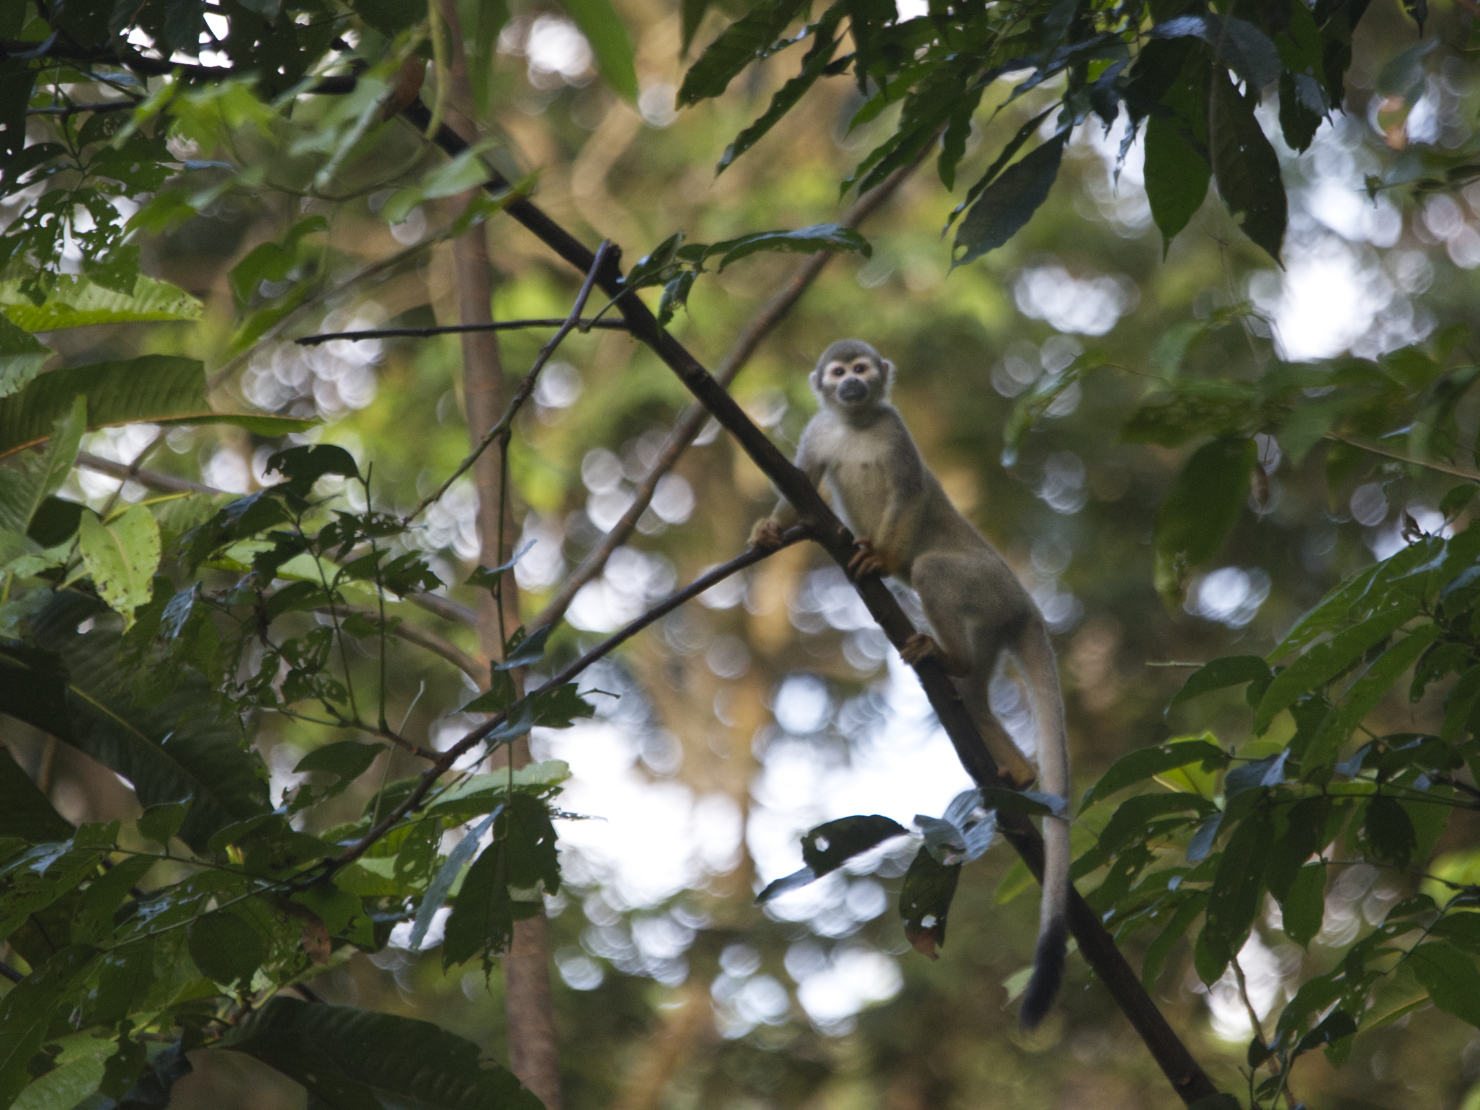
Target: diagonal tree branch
[(692, 419), (1095, 943)]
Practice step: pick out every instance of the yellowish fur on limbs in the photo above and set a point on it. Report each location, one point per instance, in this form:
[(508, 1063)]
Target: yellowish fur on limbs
[(859, 449)]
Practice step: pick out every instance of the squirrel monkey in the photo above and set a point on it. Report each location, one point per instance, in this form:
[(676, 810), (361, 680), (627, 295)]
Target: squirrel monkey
[(905, 526)]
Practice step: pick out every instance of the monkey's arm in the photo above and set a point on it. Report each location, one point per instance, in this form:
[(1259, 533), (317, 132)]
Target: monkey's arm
[(767, 532)]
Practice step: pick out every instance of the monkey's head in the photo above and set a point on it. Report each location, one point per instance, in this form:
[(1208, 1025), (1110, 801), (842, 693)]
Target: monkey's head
[(851, 375)]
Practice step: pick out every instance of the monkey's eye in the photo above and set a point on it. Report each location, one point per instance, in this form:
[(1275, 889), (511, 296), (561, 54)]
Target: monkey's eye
[(838, 369), (861, 367)]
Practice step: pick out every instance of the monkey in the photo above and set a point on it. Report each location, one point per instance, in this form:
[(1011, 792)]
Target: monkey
[(905, 526)]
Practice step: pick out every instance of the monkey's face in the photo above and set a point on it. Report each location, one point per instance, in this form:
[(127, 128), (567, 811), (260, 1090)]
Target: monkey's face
[(851, 376)]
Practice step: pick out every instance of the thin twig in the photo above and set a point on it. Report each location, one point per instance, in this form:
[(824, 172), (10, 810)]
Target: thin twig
[(748, 558), (526, 387), (73, 109), (692, 419), (456, 329), (1387, 453), (421, 637)]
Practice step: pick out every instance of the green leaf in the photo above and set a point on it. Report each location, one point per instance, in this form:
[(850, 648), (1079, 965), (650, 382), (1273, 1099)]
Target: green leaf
[(301, 467), (1389, 831), (21, 357), (122, 556), (1140, 765), (805, 240), (349, 759), (1363, 697), (1303, 907), (436, 895), (1219, 674), (1246, 167), (351, 1059), (26, 1011), (93, 918), (82, 698), (1200, 509), (1325, 661), (1160, 948), (160, 823), (1450, 978), (27, 487), (1177, 178), (1234, 898), (739, 45), (786, 97), (925, 901), (27, 813), (607, 35), (1008, 203), (76, 302), (161, 389)]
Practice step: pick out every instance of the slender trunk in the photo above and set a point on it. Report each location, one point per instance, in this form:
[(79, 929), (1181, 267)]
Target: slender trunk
[(533, 1055)]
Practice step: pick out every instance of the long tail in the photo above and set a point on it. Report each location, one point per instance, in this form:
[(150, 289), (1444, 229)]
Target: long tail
[(1041, 670)]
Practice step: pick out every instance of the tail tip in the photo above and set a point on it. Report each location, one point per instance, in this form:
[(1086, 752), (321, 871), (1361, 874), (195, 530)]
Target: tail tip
[(1048, 975)]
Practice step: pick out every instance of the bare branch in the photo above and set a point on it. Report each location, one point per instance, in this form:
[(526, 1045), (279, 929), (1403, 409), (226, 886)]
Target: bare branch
[(526, 387), (456, 329), (149, 479), (692, 419), (748, 558)]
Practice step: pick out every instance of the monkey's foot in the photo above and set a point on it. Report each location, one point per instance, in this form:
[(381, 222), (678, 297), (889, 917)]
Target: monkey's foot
[(920, 646), (865, 559), (766, 535)]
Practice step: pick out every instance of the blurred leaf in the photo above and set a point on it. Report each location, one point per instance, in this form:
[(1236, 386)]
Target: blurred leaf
[(737, 46), (1450, 978), (786, 97), (27, 813), (436, 895), (21, 357), (1389, 831), (1303, 907), (1177, 178), (1219, 674), (29, 486), (1363, 697), (272, 262), (1233, 899), (82, 697), (301, 467), (160, 389), (1140, 765), (1334, 1027), (1325, 661), (351, 1059), (1008, 203), (161, 823), (76, 302), (1246, 167), (1200, 509), (1240, 45), (693, 16), (925, 901), (92, 920), (26, 1012), (121, 555), (806, 240), (1160, 948), (607, 35)]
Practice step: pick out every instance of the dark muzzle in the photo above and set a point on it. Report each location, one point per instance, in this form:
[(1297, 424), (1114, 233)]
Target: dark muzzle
[(852, 390)]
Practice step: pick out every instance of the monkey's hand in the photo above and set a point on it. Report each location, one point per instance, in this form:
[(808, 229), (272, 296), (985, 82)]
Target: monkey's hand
[(766, 534), (865, 559), (920, 646)]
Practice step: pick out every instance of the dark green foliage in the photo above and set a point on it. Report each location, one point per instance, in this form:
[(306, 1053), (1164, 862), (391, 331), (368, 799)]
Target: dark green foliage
[(351, 1059)]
